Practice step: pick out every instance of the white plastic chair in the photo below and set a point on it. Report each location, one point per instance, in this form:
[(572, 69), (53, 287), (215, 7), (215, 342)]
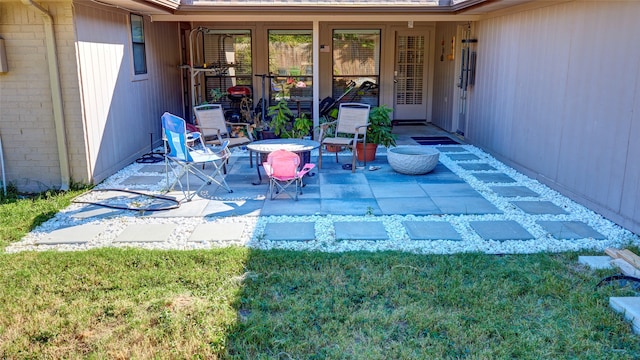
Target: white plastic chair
[(188, 160)]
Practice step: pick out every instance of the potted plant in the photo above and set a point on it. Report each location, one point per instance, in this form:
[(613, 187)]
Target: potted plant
[(379, 132), (286, 125)]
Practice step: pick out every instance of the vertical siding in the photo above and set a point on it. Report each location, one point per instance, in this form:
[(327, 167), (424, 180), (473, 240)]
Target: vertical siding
[(121, 112), (557, 95), (444, 81)]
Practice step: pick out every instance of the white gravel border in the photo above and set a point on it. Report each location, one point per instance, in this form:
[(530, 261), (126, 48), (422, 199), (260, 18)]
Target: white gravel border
[(398, 239)]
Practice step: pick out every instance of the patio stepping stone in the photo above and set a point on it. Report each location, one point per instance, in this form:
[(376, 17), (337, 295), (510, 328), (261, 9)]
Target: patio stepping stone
[(293, 231), (78, 234), (514, 191), (629, 306), (570, 230), (217, 232), (142, 180), (431, 230), (462, 157), (449, 149), (141, 233), (94, 211), (539, 207), (470, 205), (155, 168), (477, 166), (494, 178), (596, 262), (360, 230), (501, 230)]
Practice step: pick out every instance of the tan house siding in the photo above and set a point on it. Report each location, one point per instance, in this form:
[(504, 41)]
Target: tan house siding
[(557, 96), (121, 112), (26, 126)]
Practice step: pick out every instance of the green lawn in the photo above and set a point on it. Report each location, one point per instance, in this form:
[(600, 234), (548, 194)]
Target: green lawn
[(248, 304)]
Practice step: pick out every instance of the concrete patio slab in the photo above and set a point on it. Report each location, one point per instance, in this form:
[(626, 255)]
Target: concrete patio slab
[(539, 207), (346, 178), (477, 166), (222, 208), (78, 234), (360, 230), (289, 207), (408, 205), (514, 191), (453, 189), (431, 230), (293, 231), (349, 207), (569, 230), (217, 232), (500, 230), (390, 190), (494, 178), (345, 191), (139, 233), (629, 307), (191, 208), (596, 262), (464, 206)]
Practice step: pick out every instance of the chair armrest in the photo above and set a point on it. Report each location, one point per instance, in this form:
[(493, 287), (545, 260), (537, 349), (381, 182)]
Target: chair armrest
[(324, 127), (305, 169)]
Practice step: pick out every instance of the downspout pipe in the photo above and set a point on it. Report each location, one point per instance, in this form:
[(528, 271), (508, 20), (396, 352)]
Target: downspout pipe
[(56, 94)]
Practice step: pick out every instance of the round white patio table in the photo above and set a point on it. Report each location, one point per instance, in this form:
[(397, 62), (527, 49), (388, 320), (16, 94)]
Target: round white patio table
[(260, 147)]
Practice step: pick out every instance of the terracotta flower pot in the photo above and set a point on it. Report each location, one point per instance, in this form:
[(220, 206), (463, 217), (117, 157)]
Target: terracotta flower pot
[(334, 148), (371, 151)]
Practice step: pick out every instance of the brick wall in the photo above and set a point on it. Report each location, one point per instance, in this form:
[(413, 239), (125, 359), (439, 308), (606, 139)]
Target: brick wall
[(26, 117)]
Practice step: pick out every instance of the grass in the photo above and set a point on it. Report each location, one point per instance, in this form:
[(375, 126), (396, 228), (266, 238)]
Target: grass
[(248, 304)]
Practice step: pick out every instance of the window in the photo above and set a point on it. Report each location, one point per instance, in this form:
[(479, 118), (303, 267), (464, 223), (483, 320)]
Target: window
[(227, 54), (137, 43), (356, 59), (291, 62)]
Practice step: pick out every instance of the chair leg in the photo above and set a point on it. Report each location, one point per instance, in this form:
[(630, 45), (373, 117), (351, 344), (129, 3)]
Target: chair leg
[(320, 156)]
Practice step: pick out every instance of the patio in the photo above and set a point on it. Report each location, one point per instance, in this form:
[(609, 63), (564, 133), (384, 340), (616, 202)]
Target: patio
[(469, 203)]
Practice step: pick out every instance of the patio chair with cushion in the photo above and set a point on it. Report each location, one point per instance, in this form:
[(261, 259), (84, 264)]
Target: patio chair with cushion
[(282, 168), (350, 128), (215, 129), (188, 155)]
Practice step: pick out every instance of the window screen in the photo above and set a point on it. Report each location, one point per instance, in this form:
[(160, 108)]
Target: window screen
[(356, 58), (137, 42)]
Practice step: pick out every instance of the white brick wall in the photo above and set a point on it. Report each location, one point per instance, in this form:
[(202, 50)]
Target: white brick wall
[(26, 116)]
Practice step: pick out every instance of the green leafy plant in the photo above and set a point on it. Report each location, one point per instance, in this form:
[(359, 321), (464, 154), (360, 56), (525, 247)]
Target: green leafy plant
[(284, 123), (380, 128)]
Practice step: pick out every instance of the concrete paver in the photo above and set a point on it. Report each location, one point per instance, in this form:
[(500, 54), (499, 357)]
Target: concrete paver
[(539, 207), (570, 230), (494, 178), (72, 235), (514, 191), (629, 306), (360, 230), (136, 233), (431, 230), (292, 231), (500, 230)]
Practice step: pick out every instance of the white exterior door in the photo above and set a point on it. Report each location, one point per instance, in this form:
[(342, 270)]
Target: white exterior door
[(410, 75)]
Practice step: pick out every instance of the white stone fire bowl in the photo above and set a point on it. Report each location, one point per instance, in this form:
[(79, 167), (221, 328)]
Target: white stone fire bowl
[(413, 159)]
